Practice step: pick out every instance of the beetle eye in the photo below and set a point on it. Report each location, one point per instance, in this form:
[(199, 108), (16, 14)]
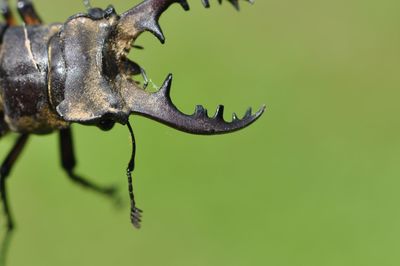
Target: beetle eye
[(106, 124)]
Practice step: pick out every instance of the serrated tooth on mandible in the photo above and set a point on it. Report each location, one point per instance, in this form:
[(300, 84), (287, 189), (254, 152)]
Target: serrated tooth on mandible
[(206, 3), (248, 113), (219, 114), (184, 4), (153, 27), (165, 89), (200, 111), (235, 3), (234, 117)]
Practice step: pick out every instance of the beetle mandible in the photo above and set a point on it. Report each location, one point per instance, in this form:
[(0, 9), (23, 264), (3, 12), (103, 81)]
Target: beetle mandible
[(78, 72)]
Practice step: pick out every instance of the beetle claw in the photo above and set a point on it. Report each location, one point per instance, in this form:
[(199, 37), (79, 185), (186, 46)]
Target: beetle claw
[(145, 79), (159, 106), (145, 16)]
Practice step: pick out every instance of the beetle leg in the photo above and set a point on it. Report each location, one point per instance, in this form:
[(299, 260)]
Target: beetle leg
[(145, 79), (28, 13), (133, 68), (4, 172), (4, 246), (7, 14), (68, 163)]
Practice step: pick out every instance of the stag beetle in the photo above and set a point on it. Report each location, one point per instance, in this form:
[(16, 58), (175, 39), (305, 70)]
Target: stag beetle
[(52, 76)]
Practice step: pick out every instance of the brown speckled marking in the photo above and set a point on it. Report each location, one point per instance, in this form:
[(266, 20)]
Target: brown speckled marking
[(28, 124)]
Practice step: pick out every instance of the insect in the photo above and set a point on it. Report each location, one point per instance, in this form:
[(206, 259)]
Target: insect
[(52, 76)]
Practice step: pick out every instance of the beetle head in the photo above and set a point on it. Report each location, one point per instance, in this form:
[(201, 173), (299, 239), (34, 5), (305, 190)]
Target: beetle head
[(96, 75)]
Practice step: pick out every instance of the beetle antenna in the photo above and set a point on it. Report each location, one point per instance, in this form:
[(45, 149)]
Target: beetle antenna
[(136, 213)]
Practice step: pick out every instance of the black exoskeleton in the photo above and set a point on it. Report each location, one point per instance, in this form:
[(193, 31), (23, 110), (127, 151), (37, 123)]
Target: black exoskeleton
[(78, 72)]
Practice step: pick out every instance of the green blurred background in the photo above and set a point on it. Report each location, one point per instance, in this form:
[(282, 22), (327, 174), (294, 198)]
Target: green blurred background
[(315, 182)]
